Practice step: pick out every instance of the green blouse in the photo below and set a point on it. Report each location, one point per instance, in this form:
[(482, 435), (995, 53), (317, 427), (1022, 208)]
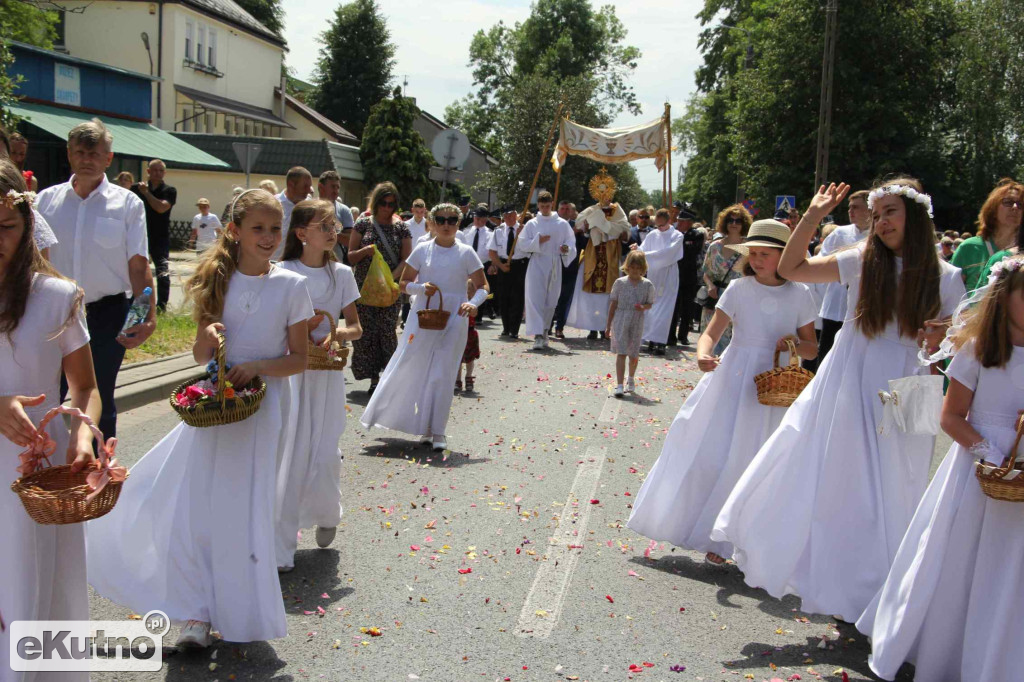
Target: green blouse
[(1000, 255), (971, 257)]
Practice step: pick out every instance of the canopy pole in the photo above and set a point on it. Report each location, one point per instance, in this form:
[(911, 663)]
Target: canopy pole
[(668, 130), (544, 154)]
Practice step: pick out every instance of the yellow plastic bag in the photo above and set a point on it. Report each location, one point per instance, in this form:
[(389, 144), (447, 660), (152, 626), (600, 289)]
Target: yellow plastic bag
[(379, 289)]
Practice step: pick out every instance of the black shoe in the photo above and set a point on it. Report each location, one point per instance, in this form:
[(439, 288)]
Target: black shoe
[(372, 388), (672, 342), (503, 335), (685, 341), (592, 336), (559, 333), (604, 336), (659, 349)]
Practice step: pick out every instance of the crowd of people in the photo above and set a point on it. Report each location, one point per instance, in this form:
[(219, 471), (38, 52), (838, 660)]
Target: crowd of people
[(824, 498)]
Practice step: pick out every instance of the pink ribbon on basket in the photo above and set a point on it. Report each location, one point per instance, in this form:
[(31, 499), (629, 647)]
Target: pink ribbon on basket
[(43, 446)]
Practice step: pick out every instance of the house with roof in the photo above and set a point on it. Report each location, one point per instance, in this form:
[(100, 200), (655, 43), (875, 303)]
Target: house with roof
[(216, 76)]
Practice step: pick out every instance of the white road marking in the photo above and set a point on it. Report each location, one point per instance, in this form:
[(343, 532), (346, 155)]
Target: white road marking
[(543, 605), (610, 411)]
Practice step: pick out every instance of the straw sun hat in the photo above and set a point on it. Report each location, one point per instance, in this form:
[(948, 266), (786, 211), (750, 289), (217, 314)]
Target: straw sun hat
[(769, 233)]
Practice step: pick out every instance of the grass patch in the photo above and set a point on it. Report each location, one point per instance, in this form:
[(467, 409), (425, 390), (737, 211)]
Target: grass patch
[(175, 333)]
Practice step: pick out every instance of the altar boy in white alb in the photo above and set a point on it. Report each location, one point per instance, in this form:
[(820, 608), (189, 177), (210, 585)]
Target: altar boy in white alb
[(663, 248), (551, 244)]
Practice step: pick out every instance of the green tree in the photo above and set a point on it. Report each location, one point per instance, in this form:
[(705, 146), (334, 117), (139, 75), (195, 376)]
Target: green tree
[(270, 13), (561, 39), (28, 24), (354, 70), (393, 150)]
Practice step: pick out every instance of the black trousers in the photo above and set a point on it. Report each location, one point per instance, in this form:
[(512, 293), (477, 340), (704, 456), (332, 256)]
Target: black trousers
[(682, 315), (160, 252), (565, 295), (514, 298), (829, 329), (104, 318)]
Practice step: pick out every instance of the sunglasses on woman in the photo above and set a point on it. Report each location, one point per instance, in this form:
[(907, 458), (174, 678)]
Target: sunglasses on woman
[(450, 219), (1010, 203), (388, 204), (737, 221)]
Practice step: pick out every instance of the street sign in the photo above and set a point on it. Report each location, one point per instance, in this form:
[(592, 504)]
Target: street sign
[(247, 153), (785, 202), (451, 150)]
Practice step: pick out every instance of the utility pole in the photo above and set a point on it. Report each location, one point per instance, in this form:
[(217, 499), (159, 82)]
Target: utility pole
[(825, 107)]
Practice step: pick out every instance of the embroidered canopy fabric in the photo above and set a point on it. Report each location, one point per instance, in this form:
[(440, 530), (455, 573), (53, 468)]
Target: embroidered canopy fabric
[(612, 145)]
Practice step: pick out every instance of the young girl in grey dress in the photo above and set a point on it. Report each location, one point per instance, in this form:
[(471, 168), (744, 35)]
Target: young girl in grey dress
[(630, 297)]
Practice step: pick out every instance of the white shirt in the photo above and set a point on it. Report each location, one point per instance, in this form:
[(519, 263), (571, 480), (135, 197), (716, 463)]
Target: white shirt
[(468, 235), (97, 236), (206, 227), (502, 237), (418, 229), (833, 305)]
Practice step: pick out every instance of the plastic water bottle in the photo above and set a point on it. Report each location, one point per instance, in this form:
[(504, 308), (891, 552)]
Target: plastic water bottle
[(139, 310)]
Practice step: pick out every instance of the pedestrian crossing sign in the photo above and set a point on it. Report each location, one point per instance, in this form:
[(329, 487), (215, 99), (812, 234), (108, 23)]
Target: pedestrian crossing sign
[(785, 202)]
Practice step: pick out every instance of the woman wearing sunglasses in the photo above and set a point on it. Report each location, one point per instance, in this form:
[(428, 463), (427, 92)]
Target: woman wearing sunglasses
[(998, 222), (394, 242), (733, 223), (415, 394)]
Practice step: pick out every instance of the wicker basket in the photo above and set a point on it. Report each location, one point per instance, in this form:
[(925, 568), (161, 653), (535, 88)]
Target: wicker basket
[(320, 358), (993, 479), (434, 319), (780, 386), (222, 410), (58, 496)]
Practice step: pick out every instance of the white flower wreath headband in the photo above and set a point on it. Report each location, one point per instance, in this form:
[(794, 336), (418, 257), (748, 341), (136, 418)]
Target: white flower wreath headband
[(1004, 268), (13, 198), (901, 190)]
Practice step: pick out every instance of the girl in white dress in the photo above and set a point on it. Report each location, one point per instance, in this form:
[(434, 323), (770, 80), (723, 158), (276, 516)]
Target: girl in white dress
[(309, 471), (42, 332), (193, 532), (721, 425), (663, 248), (951, 603), (821, 510), (415, 392)]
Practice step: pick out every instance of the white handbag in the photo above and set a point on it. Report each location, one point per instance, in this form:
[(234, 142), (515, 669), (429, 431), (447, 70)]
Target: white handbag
[(912, 404)]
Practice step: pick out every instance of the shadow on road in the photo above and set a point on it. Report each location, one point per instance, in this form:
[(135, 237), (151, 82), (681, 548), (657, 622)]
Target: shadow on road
[(401, 448), (245, 661), (315, 574), (852, 656)]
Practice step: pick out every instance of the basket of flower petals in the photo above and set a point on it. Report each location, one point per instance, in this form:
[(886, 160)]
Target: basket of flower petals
[(212, 400), (329, 354), (57, 495)]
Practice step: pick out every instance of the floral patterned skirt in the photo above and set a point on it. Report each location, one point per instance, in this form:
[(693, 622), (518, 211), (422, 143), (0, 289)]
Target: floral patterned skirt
[(373, 351)]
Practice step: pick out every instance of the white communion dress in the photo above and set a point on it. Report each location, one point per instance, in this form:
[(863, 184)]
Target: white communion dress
[(43, 567), (415, 392), (721, 425), (952, 602), (663, 248), (309, 466), (544, 274), (193, 532), (821, 510)]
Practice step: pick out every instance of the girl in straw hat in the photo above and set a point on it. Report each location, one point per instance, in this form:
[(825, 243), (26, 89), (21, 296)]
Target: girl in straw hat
[(821, 510), (721, 425)]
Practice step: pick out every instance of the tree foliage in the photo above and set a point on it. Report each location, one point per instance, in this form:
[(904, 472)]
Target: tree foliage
[(561, 39), (926, 87), (354, 70), (27, 24), (270, 13), (565, 50), (393, 150)]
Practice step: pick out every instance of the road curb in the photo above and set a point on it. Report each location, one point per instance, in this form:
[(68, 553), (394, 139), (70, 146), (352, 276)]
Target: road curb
[(151, 381)]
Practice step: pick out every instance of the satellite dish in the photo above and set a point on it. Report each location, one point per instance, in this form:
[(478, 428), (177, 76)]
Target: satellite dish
[(450, 148)]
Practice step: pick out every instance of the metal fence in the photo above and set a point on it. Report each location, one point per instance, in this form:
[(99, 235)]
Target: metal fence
[(181, 230)]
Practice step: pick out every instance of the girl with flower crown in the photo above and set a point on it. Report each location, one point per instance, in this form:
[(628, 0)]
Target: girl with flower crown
[(822, 508), (42, 333), (951, 603), (309, 469), (193, 532)]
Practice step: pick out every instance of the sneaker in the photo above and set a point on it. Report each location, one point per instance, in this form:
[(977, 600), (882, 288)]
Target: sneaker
[(547, 342), (325, 536), (630, 386), (538, 342), (618, 391), (195, 635), (426, 439), (458, 385), (440, 443), (592, 336)]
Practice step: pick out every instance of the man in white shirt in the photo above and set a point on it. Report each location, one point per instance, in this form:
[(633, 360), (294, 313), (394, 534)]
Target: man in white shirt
[(206, 227), (833, 305), (418, 224), (508, 273), (478, 235), (551, 244), (298, 186), (102, 245)]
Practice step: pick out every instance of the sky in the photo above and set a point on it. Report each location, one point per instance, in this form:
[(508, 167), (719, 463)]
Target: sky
[(433, 36)]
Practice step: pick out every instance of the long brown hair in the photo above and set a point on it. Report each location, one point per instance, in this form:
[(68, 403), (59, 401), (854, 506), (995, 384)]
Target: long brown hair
[(988, 324), (208, 285), (305, 212), (25, 262), (987, 216), (915, 297)]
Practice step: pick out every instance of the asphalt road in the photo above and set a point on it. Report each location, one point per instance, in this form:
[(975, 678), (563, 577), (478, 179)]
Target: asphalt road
[(508, 559)]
